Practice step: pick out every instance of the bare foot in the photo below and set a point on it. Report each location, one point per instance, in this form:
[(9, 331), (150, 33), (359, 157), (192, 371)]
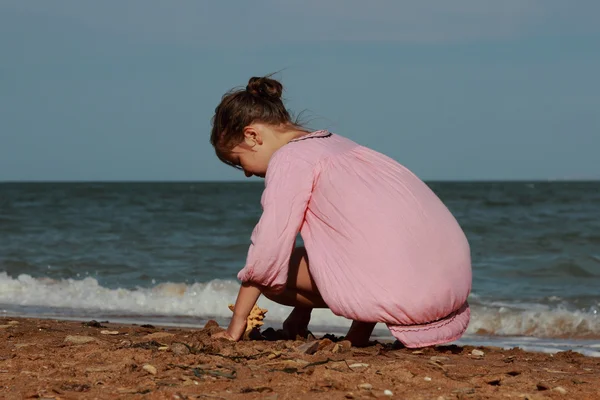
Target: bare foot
[(297, 322), (360, 333)]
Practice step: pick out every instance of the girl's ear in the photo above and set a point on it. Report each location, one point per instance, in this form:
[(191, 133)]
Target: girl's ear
[(252, 136)]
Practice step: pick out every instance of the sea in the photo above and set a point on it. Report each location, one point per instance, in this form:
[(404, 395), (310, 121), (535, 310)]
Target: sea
[(168, 253)]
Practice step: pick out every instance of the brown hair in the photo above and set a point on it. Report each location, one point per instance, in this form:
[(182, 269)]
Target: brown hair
[(260, 101)]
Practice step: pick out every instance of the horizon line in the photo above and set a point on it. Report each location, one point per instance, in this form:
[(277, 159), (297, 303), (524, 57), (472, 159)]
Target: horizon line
[(491, 180)]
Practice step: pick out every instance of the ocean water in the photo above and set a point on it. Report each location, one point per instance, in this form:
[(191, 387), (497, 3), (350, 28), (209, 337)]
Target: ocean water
[(169, 253)]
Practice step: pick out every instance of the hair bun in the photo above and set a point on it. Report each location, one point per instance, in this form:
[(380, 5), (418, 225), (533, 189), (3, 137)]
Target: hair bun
[(265, 87)]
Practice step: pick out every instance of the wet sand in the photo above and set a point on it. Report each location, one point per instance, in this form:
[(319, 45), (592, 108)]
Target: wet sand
[(49, 359)]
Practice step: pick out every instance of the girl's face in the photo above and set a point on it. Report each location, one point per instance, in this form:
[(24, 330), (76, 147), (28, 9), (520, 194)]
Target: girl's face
[(255, 152)]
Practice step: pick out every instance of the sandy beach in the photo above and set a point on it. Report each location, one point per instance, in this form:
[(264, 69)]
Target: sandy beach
[(50, 359)]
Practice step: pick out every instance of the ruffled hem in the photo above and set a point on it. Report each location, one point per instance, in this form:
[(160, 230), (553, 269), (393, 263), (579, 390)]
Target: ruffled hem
[(441, 331)]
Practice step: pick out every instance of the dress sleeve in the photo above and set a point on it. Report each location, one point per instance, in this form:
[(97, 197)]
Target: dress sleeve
[(288, 187)]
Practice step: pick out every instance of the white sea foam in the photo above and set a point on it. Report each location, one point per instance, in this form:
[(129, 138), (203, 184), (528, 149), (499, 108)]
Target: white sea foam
[(201, 301), (86, 297)]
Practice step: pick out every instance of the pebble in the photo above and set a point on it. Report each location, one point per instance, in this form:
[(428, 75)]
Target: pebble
[(13, 322), (109, 332), (151, 369), (180, 349), (388, 393), (542, 386), (439, 359), (358, 366), (477, 353), (324, 343), (342, 347), (365, 386), (75, 339), (427, 378), (560, 390), (158, 335), (308, 348), (211, 323)]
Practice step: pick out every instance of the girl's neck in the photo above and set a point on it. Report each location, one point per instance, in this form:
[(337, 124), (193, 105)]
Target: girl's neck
[(290, 133)]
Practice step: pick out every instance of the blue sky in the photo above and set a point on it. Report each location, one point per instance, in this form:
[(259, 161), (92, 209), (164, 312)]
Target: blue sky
[(461, 90)]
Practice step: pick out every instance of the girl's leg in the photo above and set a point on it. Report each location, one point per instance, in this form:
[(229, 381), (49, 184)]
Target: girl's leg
[(360, 332), (301, 290), (302, 294)]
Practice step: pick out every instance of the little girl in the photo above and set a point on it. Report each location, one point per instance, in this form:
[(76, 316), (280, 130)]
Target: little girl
[(380, 246)]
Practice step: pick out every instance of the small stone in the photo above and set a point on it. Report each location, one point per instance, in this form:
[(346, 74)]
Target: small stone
[(75, 339), (151, 369), (324, 343), (560, 389), (13, 322), (477, 353), (163, 348), (274, 354), (211, 324), (342, 347), (495, 380), (358, 366), (158, 335), (308, 348), (439, 359), (404, 375), (542, 386), (109, 332), (349, 395), (418, 352), (365, 386), (180, 349), (388, 393), (427, 379)]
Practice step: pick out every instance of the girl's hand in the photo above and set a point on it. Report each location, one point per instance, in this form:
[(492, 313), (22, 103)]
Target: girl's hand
[(223, 335), (246, 299), (235, 331)]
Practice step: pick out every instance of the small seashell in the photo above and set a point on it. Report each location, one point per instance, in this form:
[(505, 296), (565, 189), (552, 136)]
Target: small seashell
[(358, 366), (477, 353), (151, 369), (560, 390)]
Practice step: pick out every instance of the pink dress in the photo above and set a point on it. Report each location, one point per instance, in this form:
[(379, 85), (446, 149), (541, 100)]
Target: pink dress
[(382, 246)]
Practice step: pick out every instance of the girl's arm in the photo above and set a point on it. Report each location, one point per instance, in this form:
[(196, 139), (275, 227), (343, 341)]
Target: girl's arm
[(247, 297), (288, 188)]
